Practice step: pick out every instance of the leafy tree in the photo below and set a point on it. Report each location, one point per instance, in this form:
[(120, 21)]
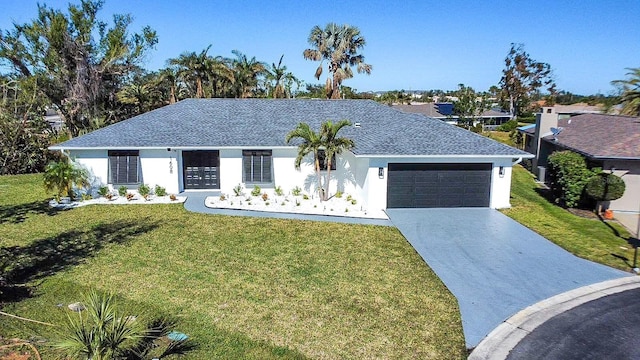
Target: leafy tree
[(78, 60), (333, 145), (522, 78), (23, 144), (311, 142), (469, 106), (630, 87), (339, 46)]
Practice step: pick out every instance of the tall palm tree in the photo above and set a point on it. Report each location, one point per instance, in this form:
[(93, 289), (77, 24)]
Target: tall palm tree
[(246, 73), (311, 143), (279, 78), (630, 92), (338, 45), (168, 79), (141, 96), (333, 145), (192, 68), (220, 75)]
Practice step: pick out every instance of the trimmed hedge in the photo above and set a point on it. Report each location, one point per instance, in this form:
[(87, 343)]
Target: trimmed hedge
[(605, 187), (508, 126), (568, 176)]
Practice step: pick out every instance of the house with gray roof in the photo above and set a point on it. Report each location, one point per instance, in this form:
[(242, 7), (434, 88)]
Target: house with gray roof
[(399, 159), (611, 142), (490, 119)]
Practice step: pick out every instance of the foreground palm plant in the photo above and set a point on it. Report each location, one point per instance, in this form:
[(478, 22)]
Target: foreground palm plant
[(62, 175), (99, 333)]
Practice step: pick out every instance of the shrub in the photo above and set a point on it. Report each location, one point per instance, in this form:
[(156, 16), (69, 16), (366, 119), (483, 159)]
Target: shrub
[(256, 190), (605, 187), (122, 190), (61, 176), (172, 197), (527, 119), (305, 196), (568, 175), (265, 197), (130, 196), (222, 197), (296, 191), (144, 190), (278, 191), (508, 126), (103, 191), (160, 191), (238, 190), (339, 194)]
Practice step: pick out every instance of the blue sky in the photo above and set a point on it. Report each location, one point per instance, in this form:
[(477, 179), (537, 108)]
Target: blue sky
[(411, 44)]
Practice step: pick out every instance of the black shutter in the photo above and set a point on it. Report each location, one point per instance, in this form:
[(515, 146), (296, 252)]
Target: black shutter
[(124, 167)]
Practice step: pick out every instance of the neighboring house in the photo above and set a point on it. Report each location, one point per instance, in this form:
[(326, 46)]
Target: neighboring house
[(444, 111), (611, 142), (399, 159), (54, 119)]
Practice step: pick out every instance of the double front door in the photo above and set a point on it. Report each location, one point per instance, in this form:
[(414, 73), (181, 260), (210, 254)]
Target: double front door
[(201, 169)]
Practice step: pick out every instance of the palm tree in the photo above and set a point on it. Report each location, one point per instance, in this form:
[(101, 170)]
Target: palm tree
[(192, 68), (62, 176), (220, 75), (246, 72), (338, 45), (168, 78), (630, 92), (311, 143), (141, 96), (279, 78), (333, 145)]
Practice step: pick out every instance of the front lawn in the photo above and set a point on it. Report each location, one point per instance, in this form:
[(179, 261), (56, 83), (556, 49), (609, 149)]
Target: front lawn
[(239, 287), (603, 242)]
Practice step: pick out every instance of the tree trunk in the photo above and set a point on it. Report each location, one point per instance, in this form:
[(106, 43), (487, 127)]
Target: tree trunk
[(317, 165), (335, 87)]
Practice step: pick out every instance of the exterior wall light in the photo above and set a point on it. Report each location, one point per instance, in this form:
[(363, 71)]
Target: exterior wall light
[(381, 172), (501, 171)]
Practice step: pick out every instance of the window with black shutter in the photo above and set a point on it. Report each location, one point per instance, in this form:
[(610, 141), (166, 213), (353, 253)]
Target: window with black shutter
[(256, 165), (124, 167)]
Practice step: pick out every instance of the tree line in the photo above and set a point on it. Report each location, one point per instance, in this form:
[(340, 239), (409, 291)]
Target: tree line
[(90, 72)]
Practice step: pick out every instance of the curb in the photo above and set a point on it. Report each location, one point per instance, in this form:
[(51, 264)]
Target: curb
[(499, 343)]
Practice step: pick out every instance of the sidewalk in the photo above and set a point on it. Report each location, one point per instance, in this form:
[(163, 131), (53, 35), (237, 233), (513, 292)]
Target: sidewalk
[(498, 344)]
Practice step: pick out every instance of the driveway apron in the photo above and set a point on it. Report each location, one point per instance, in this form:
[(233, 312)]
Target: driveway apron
[(492, 264)]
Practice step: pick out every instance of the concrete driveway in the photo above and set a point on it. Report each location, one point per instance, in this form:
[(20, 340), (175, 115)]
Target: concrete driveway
[(493, 265)]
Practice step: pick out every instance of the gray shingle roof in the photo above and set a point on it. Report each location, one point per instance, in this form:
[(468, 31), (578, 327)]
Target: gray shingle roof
[(600, 135), (259, 123)]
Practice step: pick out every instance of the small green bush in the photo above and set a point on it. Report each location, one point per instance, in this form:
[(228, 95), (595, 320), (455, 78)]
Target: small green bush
[(238, 190), (339, 194), (296, 191), (508, 126), (256, 190), (160, 191), (305, 196), (122, 190), (278, 191), (568, 175), (103, 191), (605, 187), (144, 190)]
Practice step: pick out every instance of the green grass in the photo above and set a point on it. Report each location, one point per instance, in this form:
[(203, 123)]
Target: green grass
[(592, 239), (240, 287)]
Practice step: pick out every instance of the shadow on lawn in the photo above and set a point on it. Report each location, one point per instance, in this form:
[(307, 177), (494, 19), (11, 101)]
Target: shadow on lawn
[(45, 257), (18, 213)]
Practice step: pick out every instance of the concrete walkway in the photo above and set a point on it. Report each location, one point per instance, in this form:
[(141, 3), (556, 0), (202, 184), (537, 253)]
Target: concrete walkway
[(195, 203), (493, 265)]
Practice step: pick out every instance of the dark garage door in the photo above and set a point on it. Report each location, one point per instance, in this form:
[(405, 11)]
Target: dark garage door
[(438, 185)]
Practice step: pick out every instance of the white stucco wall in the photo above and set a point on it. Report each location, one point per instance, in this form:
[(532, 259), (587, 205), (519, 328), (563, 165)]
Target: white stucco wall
[(354, 175), (96, 162), (160, 167)]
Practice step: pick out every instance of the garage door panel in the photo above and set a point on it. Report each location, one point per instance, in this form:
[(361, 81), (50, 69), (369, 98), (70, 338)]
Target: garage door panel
[(438, 185)]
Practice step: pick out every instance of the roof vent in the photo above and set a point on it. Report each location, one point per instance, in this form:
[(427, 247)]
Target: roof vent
[(356, 125)]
